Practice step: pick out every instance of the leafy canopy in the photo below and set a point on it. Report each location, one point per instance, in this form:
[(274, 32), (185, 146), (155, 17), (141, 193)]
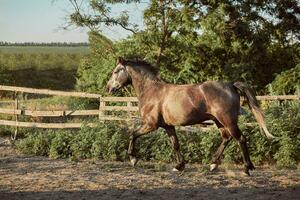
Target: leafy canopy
[(198, 40)]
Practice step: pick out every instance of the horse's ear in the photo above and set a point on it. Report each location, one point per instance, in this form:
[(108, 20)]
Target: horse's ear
[(121, 60)]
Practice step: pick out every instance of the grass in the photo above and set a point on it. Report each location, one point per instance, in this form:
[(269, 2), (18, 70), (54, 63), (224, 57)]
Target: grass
[(40, 66), (55, 79)]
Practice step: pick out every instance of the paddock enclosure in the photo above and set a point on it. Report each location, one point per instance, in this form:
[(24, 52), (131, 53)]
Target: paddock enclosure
[(36, 177)]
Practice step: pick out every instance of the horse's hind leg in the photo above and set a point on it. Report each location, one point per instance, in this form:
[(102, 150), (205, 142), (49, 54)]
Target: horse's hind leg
[(236, 133), (174, 140), (226, 138)]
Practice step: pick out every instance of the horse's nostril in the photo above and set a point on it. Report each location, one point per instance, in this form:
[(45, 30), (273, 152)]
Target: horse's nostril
[(113, 90)]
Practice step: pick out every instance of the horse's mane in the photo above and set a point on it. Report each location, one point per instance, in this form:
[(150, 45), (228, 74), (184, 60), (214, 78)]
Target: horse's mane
[(144, 68)]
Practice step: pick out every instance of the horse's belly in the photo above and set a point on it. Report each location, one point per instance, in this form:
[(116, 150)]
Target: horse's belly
[(183, 115)]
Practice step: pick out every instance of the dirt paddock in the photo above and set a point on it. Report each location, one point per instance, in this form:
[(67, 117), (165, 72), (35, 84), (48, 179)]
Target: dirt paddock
[(32, 177)]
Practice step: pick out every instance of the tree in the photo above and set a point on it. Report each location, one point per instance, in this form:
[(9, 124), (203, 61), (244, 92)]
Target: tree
[(193, 41), (93, 70)]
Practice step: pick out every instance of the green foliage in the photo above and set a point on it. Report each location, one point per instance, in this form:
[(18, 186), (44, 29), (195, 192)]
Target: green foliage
[(287, 82), (148, 147), (40, 67), (60, 146), (35, 143), (82, 143), (104, 17), (5, 79), (193, 41), (40, 61), (209, 144), (286, 126), (109, 141), (93, 71)]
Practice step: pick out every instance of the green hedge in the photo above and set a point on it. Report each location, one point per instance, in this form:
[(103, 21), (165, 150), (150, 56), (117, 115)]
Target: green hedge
[(109, 141)]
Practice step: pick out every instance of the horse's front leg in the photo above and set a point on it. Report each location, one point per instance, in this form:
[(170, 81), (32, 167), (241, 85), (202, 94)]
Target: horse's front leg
[(144, 129), (174, 140)]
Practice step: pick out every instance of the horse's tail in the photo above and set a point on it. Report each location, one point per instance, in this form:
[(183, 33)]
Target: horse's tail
[(250, 98)]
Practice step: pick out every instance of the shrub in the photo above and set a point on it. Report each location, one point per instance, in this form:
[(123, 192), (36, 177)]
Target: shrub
[(287, 82), (109, 141), (81, 143), (60, 144), (36, 143), (286, 126)]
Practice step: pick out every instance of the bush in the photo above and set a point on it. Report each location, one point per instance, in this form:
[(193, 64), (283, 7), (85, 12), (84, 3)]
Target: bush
[(82, 143), (60, 145), (287, 82), (36, 143), (286, 126), (109, 141)]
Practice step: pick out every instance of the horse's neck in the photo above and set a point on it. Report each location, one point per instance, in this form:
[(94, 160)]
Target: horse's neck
[(140, 82)]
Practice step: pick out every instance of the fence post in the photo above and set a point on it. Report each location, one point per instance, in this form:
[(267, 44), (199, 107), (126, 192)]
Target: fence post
[(129, 105), (101, 104), (14, 137)]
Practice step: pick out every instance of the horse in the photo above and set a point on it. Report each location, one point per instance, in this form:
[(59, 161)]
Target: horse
[(166, 105)]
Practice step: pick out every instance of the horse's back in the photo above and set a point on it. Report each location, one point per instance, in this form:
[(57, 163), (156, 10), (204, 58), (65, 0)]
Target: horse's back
[(219, 92), (222, 99)]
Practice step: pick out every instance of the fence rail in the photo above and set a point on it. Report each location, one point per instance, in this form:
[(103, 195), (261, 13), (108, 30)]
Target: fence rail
[(48, 92), (44, 125), (101, 112), (64, 113), (278, 97)]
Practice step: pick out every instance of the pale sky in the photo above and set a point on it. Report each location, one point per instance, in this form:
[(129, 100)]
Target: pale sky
[(40, 21)]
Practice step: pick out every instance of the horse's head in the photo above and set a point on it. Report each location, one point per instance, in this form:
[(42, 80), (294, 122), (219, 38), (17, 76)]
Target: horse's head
[(119, 78)]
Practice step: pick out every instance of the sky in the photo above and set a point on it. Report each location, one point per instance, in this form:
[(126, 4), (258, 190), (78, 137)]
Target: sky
[(40, 21)]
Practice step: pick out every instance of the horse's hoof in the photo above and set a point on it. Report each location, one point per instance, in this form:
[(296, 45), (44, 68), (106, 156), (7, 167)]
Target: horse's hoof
[(213, 167), (179, 168), (175, 170), (133, 161), (247, 172), (248, 168)]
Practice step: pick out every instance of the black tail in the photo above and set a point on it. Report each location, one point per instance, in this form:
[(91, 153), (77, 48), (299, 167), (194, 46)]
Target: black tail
[(250, 97)]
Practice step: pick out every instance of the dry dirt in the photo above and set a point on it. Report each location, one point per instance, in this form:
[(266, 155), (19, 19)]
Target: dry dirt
[(32, 177)]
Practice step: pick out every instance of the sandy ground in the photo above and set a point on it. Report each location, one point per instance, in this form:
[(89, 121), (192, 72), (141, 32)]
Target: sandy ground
[(32, 177)]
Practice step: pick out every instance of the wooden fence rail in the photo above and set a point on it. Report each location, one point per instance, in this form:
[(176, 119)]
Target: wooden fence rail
[(278, 97), (44, 125), (64, 113), (48, 92), (130, 108)]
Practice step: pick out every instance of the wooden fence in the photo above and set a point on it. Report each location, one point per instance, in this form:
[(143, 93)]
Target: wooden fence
[(104, 106)]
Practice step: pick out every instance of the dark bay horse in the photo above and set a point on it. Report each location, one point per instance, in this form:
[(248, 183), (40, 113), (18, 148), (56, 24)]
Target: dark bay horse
[(168, 105)]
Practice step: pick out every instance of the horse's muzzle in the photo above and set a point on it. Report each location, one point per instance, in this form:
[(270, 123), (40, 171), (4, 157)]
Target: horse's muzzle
[(111, 90)]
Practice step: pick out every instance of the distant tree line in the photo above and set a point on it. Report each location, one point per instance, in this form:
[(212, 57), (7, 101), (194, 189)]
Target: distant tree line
[(54, 44)]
